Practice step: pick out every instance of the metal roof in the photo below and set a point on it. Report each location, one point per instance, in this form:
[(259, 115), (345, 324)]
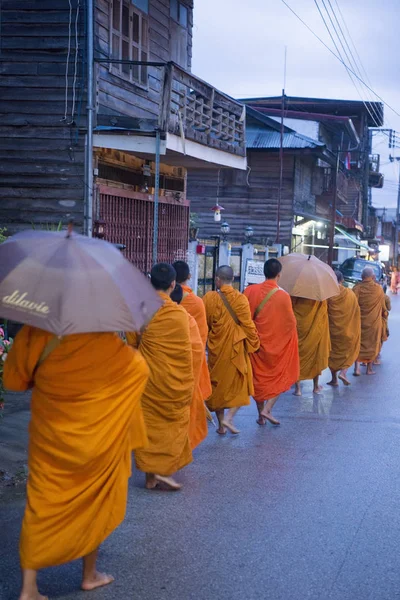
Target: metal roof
[(267, 139)]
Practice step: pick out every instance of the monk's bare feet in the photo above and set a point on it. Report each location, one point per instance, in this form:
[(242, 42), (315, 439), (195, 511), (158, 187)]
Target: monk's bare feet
[(333, 383), (377, 362), (344, 379), (230, 426), (318, 389), (261, 420), (95, 581), (357, 373), (369, 370), (297, 390), (35, 596), (168, 483), (151, 481), (270, 419), (221, 431)]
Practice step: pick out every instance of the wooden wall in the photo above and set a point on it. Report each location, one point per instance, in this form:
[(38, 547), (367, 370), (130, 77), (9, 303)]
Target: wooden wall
[(115, 96), (248, 198), (41, 153)]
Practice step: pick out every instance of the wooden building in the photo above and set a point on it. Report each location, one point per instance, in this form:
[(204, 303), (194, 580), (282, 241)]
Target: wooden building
[(152, 120)]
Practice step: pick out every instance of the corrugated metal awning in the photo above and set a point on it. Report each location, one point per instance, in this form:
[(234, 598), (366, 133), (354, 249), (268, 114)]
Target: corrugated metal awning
[(263, 138)]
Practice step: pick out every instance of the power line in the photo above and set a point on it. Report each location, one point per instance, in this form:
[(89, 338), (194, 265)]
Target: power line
[(339, 59)]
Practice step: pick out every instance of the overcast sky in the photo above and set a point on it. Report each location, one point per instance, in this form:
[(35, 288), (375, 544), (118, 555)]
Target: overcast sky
[(239, 48)]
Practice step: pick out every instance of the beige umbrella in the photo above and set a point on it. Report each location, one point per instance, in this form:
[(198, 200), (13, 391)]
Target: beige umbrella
[(308, 277)]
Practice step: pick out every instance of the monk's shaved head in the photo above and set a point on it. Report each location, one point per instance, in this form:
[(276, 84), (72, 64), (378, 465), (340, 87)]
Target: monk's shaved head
[(162, 276), (339, 276), (225, 274), (272, 268), (182, 271), (367, 272)]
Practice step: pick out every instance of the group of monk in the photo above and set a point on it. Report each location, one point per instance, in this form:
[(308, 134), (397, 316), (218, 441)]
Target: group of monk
[(96, 398)]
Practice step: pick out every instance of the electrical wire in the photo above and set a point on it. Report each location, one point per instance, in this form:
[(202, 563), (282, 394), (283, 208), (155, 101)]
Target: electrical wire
[(339, 59)]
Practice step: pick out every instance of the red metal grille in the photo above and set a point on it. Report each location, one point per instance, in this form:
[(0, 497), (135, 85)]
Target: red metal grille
[(129, 218)]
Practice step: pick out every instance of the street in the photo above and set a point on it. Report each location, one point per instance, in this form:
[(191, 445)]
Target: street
[(307, 510)]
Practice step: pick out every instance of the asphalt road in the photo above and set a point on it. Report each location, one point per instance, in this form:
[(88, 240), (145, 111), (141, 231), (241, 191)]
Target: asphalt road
[(309, 510)]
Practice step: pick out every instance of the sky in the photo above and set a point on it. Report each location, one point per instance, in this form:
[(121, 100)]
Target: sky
[(239, 47)]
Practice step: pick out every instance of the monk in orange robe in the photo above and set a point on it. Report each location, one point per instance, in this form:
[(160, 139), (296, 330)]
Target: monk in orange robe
[(276, 366), (195, 307), (86, 418), (345, 331), (166, 346), (232, 338), (198, 417), (371, 299), (314, 340)]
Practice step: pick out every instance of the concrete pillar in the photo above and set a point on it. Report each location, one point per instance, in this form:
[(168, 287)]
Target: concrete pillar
[(193, 262), (224, 254), (247, 254)]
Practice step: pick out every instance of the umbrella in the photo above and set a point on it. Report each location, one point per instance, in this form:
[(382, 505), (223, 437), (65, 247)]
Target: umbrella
[(307, 277), (69, 284)]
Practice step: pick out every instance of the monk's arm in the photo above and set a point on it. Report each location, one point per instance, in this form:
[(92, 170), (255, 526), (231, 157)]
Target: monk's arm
[(207, 306), (247, 324), (16, 375)]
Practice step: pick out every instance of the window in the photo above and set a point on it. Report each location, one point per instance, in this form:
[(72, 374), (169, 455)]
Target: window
[(129, 39), (179, 12)]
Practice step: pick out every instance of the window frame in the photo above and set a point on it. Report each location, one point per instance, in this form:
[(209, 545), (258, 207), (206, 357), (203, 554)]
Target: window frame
[(141, 46), (177, 20)]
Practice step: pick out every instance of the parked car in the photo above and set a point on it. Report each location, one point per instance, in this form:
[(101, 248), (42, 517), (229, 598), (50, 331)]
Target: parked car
[(352, 269)]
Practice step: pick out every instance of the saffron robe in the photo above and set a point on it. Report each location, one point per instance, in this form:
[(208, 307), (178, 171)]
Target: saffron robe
[(229, 346), (313, 332), (276, 367), (345, 329), (385, 317), (86, 418), (198, 427), (165, 345), (371, 299), (195, 307)]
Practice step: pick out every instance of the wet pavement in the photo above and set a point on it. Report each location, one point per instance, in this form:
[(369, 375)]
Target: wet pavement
[(309, 510)]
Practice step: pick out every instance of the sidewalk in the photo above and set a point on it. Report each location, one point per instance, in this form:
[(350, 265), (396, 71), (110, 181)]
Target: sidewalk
[(14, 446)]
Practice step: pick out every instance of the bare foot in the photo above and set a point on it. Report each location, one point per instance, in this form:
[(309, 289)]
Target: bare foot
[(377, 362), (95, 581), (333, 383), (318, 389), (36, 596), (370, 372), (297, 393), (151, 481), (357, 374), (344, 379), (168, 483), (229, 425), (261, 420), (270, 418), (221, 431)]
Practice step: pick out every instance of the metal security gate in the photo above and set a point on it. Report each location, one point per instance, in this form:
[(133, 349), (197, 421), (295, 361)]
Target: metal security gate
[(129, 220), (236, 264), (207, 268)]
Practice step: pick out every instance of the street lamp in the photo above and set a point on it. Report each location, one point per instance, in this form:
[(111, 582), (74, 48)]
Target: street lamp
[(248, 233), (225, 229)]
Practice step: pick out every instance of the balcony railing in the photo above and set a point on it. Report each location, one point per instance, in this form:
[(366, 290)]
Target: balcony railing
[(194, 110), (329, 183)]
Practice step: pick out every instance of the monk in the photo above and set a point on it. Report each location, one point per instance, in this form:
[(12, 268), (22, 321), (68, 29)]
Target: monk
[(276, 366), (345, 331), (195, 307), (165, 344), (371, 299), (232, 338), (86, 418), (314, 341), (198, 417)]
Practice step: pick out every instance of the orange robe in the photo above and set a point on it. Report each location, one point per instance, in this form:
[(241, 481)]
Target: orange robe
[(345, 329), (86, 419), (276, 366), (313, 332), (166, 346), (198, 427), (385, 317), (195, 307), (371, 299), (229, 346)]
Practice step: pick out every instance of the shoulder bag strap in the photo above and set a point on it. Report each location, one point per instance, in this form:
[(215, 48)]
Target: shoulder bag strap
[(228, 307), (51, 345), (264, 302)]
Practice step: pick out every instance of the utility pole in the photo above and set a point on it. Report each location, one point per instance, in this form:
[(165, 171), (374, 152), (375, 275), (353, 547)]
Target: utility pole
[(278, 215), (333, 215), (396, 229)]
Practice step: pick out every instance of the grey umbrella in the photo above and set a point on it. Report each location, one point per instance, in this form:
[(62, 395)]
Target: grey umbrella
[(72, 284)]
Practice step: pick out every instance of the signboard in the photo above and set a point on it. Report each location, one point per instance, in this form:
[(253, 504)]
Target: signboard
[(254, 272)]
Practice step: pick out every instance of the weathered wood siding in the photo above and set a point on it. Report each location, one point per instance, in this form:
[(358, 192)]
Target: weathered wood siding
[(248, 198), (41, 153), (116, 96), (304, 198)]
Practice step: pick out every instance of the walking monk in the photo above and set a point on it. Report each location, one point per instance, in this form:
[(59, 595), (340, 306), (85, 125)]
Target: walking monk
[(345, 330), (232, 338), (371, 299), (165, 344), (86, 418), (276, 366), (195, 307), (314, 342), (198, 428)]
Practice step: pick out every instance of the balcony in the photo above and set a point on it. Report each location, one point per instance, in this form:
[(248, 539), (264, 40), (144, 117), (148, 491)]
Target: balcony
[(195, 111)]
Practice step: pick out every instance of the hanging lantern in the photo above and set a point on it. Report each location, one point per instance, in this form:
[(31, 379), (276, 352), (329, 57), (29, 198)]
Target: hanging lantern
[(217, 212)]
